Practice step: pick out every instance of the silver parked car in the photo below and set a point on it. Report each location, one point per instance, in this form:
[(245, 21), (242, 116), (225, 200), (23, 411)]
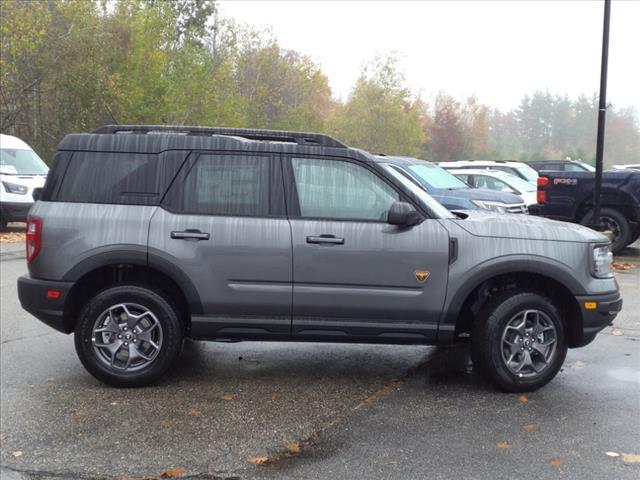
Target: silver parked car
[(146, 235)]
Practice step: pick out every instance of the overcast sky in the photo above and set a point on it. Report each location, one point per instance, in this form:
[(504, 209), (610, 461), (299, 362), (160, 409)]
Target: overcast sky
[(496, 50)]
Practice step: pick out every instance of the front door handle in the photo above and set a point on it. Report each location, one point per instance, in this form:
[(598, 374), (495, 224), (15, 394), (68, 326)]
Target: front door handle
[(190, 234), (326, 239)]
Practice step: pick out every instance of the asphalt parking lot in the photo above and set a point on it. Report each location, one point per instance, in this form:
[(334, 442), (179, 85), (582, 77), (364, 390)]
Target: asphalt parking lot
[(277, 410)]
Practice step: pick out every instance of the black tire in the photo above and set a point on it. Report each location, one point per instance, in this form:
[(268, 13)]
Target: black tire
[(620, 225), (487, 350), (160, 312)]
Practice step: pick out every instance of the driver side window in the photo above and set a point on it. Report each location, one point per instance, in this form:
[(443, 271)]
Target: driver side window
[(340, 190)]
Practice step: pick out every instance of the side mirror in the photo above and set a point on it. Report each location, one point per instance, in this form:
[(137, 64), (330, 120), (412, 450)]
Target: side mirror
[(403, 215), (37, 192)]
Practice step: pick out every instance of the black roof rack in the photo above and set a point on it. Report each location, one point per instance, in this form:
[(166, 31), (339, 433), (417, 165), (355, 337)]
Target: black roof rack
[(301, 138)]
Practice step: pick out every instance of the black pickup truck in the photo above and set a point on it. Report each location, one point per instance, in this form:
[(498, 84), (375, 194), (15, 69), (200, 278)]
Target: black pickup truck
[(568, 196)]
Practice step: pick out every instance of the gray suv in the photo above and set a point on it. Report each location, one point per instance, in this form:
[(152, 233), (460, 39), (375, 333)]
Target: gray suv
[(146, 235)]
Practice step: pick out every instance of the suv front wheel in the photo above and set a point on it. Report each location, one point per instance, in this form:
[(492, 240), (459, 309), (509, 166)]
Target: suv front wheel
[(128, 336), (518, 341)]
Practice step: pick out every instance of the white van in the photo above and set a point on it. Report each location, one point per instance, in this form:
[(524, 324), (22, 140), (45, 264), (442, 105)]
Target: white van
[(21, 171)]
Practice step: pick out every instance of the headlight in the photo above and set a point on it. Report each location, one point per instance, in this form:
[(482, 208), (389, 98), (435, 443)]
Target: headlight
[(493, 206), (601, 265), (13, 188)]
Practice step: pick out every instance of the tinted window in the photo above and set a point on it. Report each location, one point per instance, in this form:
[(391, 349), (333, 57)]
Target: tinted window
[(116, 178), (224, 185), (337, 189), (482, 181), (574, 167)]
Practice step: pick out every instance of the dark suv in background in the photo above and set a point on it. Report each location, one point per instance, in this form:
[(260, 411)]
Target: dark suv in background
[(450, 191), (145, 235), (560, 165)]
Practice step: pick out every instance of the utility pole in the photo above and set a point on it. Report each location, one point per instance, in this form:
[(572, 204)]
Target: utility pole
[(602, 111)]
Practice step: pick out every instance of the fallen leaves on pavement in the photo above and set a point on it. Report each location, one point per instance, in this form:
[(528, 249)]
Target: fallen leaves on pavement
[(522, 398), (172, 473), (228, 397), (554, 462), (629, 458), (192, 412), (612, 454), (12, 237), (17, 454), (624, 265), (617, 332), (293, 447), (165, 424), (577, 365), (532, 427), (258, 459), (502, 444)]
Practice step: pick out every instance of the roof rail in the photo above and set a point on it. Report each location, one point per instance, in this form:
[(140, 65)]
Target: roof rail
[(301, 138)]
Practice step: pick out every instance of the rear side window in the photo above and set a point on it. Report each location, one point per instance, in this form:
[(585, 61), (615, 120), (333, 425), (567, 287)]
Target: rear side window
[(119, 178), (234, 185)]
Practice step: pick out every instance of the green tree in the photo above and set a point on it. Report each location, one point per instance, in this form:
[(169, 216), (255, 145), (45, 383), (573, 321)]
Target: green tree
[(380, 114)]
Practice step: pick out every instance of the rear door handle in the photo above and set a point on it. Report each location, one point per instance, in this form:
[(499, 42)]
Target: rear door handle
[(326, 239), (190, 234)]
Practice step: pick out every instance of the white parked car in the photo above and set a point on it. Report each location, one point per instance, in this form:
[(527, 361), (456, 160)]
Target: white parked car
[(519, 169), (500, 181), (21, 171), (633, 166)]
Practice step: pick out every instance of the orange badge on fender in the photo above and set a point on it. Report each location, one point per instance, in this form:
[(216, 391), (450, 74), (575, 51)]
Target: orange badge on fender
[(421, 275)]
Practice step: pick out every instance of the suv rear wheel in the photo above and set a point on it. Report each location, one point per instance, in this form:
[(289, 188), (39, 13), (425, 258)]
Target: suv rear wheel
[(518, 341), (128, 336)]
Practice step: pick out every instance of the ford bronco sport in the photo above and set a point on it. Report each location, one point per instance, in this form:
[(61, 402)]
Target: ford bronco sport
[(145, 235)]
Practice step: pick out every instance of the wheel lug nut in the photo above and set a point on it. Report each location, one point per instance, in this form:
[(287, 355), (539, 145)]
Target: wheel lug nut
[(134, 340), (126, 344), (119, 336)]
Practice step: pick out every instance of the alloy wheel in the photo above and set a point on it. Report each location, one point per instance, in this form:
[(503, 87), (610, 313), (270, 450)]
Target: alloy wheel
[(528, 343), (127, 337)]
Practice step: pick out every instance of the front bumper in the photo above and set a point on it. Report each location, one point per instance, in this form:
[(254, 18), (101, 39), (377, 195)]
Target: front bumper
[(35, 298), (15, 211), (595, 319)]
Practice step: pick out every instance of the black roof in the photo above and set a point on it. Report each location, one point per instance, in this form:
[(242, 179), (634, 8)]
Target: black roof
[(158, 138)]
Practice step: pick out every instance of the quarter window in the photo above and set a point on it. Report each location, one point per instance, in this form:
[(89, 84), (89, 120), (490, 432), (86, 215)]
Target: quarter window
[(123, 178), (341, 190)]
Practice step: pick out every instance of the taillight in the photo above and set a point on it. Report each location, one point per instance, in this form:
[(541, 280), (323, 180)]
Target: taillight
[(34, 237), (541, 195)]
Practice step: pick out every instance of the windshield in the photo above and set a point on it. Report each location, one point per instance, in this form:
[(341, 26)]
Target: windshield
[(527, 172), (436, 177), (21, 162), (518, 183), (587, 167), (427, 200)]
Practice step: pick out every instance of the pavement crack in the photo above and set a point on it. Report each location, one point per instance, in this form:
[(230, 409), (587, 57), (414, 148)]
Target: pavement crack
[(280, 457), (11, 340)]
